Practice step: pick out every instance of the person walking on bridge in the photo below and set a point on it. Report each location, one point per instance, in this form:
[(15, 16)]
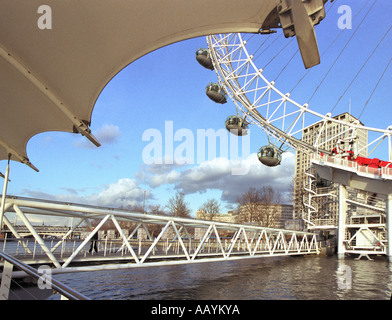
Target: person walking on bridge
[(94, 239)]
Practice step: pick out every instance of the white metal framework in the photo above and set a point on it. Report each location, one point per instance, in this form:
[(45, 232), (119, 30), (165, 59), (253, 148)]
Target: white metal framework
[(317, 218), (370, 231), (263, 104), (245, 241)]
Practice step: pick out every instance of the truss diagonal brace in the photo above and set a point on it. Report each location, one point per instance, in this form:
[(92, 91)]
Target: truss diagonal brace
[(12, 229), (125, 240), (69, 260), (67, 234), (180, 240), (36, 236), (155, 242), (206, 235)]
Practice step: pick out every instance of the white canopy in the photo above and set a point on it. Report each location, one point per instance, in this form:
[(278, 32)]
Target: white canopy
[(51, 78)]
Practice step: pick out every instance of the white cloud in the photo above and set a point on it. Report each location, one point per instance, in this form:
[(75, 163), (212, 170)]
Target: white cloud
[(107, 134), (123, 193), (217, 174)]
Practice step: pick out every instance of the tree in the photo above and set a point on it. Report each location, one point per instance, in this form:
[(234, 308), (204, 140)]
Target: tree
[(299, 194), (155, 229), (156, 209), (247, 204), (209, 209), (256, 206), (177, 207)]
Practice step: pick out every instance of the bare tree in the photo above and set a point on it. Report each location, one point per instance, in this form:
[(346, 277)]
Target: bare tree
[(156, 209), (257, 206), (177, 206), (299, 195), (247, 204), (209, 209)]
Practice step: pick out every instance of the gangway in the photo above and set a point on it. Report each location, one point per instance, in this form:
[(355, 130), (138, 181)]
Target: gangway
[(246, 241)]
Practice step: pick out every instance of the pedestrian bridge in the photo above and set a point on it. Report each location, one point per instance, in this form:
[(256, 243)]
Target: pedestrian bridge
[(174, 242), (45, 231)]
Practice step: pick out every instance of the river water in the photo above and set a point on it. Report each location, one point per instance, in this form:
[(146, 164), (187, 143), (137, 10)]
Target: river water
[(268, 278)]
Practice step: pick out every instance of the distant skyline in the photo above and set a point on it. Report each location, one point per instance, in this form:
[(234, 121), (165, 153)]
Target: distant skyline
[(167, 86)]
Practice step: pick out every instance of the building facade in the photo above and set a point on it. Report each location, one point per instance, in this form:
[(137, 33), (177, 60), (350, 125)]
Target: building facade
[(315, 199), (265, 215)]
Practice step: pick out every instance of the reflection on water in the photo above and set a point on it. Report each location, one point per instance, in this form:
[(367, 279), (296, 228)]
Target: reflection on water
[(310, 277)]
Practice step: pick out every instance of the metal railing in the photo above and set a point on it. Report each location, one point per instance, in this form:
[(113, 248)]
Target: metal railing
[(11, 262), (382, 172)]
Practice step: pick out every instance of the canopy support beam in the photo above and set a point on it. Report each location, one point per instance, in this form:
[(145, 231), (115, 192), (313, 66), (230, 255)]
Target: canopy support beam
[(79, 125), (19, 157)]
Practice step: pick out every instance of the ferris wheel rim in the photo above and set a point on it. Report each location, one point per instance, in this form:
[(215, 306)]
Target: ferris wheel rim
[(302, 108)]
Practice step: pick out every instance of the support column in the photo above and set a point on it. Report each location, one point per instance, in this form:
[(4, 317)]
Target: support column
[(342, 221), (6, 280), (2, 208), (389, 226)]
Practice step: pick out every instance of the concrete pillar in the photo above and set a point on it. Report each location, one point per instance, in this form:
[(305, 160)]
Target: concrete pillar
[(389, 226), (6, 280), (342, 221)]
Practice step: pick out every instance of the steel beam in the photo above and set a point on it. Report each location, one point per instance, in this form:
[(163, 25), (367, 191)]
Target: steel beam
[(36, 236), (81, 246), (124, 239)]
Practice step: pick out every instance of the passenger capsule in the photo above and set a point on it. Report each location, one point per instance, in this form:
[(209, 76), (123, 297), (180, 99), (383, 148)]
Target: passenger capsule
[(236, 125), (204, 58), (216, 93), (270, 156)]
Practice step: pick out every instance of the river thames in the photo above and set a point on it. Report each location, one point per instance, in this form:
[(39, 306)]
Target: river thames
[(271, 278)]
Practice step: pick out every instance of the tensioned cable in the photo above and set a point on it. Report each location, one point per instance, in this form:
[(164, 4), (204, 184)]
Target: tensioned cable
[(261, 45), (371, 95), (360, 70), (325, 51), (276, 38), (281, 71), (341, 52), (292, 57), (279, 52)]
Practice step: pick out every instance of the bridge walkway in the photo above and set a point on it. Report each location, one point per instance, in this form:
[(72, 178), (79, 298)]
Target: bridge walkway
[(174, 243)]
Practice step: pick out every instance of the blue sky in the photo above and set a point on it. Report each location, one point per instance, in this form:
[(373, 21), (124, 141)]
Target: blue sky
[(168, 86)]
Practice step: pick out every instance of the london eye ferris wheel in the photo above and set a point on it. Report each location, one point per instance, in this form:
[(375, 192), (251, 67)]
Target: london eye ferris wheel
[(241, 63)]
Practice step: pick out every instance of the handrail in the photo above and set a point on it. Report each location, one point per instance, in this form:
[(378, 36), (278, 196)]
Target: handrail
[(61, 288), (380, 172)]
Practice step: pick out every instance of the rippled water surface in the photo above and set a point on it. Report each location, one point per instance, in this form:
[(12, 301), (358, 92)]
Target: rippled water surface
[(311, 277)]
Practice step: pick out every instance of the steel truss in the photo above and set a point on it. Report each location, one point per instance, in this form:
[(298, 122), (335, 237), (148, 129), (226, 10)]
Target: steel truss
[(247, 241)]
